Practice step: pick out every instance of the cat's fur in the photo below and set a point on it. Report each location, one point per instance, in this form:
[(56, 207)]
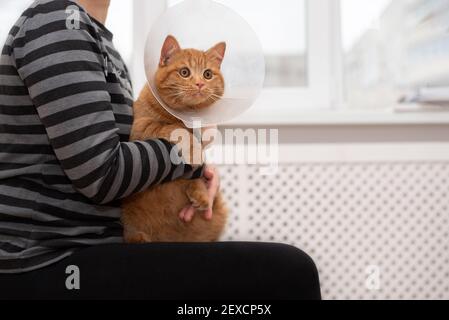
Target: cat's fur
[(153, 215)]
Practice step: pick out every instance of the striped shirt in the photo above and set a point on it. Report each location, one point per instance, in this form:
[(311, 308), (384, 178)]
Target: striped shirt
[(65, 156)]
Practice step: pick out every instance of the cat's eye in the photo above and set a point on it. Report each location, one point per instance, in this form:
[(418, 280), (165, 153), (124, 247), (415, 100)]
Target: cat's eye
[(184, 72), (208, 74)]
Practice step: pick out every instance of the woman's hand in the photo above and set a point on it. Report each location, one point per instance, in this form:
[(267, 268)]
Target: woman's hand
[(213, 186)]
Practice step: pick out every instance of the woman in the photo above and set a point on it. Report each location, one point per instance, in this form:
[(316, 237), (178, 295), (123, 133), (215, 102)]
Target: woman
[(65, 162)]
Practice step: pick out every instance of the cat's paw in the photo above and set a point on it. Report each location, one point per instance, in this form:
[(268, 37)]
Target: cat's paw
[(198, 196)]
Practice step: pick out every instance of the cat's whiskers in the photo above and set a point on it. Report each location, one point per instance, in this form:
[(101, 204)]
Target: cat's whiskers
[(174, 94), (215, 97)]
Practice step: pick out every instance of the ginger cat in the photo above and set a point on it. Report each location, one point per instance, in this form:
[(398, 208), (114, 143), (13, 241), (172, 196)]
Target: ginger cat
[(186, 79)]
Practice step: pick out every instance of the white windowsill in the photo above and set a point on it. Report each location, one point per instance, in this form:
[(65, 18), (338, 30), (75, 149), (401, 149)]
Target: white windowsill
[(341, 117)]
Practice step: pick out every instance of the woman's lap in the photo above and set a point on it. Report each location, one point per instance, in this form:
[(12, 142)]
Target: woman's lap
[(226, 270)]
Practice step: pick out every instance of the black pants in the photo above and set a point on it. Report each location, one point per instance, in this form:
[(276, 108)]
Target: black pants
[(175, 272)]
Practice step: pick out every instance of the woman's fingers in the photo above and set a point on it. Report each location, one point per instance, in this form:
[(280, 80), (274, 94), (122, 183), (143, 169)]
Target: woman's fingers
[(213, 186), (213, 183), (209, 173)]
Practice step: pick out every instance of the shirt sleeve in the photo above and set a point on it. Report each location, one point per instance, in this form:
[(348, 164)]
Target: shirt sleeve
[(63, 70)]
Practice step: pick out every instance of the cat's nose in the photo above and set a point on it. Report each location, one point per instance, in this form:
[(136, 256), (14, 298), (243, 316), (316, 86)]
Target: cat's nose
[(200, 85)]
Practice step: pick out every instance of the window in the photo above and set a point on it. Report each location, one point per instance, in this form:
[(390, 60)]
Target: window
[(120, 23), (295, 35), (10, 11), (320, 54), (281, 27), (297, 43), (396, 51)]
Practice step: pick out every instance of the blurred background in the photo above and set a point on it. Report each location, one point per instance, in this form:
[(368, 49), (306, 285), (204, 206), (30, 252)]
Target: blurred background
[(358, 92)]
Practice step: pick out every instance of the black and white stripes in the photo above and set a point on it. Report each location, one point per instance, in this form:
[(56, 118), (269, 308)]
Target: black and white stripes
[(65, 120)]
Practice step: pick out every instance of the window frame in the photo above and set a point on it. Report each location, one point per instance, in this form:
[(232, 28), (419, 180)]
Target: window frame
[(322, 65)]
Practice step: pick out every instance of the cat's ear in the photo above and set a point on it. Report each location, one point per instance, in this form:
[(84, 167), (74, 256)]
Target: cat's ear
[(169, 49), (217, 53)]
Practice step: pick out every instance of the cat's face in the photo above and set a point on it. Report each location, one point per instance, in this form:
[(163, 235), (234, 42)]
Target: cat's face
[(189, 79)]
